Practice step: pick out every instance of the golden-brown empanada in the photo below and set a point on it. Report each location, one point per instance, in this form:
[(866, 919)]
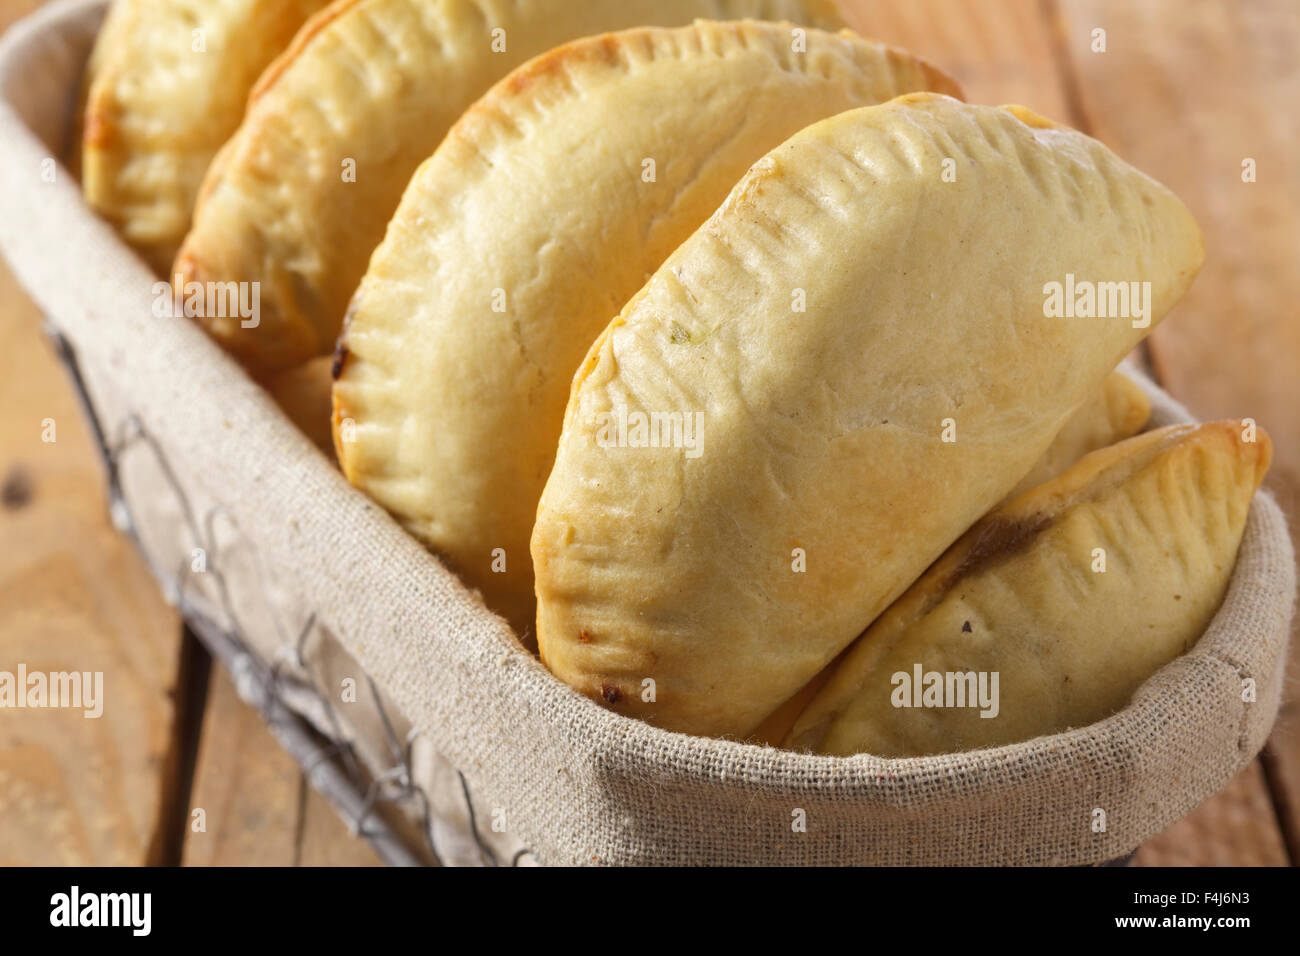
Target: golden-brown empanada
[(299, 198), (1118, 410), (1073, 595), (849, 364), (169, 80), (478, 307)]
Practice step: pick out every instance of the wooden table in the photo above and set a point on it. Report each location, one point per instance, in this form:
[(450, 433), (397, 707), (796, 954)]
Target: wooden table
[(1187, 90)]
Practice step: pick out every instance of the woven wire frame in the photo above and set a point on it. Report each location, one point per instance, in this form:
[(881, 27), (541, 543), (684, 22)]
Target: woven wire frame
[(329, 761)]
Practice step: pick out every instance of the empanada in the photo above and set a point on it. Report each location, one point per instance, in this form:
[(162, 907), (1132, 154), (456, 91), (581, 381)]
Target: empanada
[(1118, 410), (299, 198), (477, 309), (819, 391), (168, 84), (1073, 595)]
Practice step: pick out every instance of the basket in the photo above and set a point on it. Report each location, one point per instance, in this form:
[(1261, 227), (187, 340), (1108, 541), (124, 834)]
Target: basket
[(419, 712)]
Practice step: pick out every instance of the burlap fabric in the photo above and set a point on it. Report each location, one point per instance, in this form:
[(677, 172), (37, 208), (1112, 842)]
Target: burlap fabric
[(557, 773)]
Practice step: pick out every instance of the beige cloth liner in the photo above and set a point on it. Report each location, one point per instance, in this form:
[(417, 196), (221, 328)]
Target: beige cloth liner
[(574, 783)]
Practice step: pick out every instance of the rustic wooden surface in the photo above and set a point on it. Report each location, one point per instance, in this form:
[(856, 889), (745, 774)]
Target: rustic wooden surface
[(74, 596), (257, 809), (1186, 89), (1224, 79)]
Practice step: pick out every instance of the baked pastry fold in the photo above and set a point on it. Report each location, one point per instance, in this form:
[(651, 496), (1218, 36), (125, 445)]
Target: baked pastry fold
[(298, 198), (462, 340), (1118, 410), (842, 447), (168, 81), (1072, 595)]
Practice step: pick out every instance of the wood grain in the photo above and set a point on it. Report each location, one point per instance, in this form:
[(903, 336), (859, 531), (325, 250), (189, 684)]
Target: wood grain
[(1186, 91), (259, 810), (1000, 51), (248, 787), (74, 596)]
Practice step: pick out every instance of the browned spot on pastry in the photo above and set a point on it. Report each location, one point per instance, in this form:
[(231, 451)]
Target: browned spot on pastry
[(995, 540), (592, 360), (594, 49), (187, 268), (97, 132), (341, 355), (301, 41), (1029, 117), (611, 693)]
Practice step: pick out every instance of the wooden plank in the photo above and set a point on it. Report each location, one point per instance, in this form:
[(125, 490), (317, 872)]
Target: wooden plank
[(73, 593), (1224, 831), (1187, 92), (1001, 51), (74, 596), (257, 807), (247, 786)]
